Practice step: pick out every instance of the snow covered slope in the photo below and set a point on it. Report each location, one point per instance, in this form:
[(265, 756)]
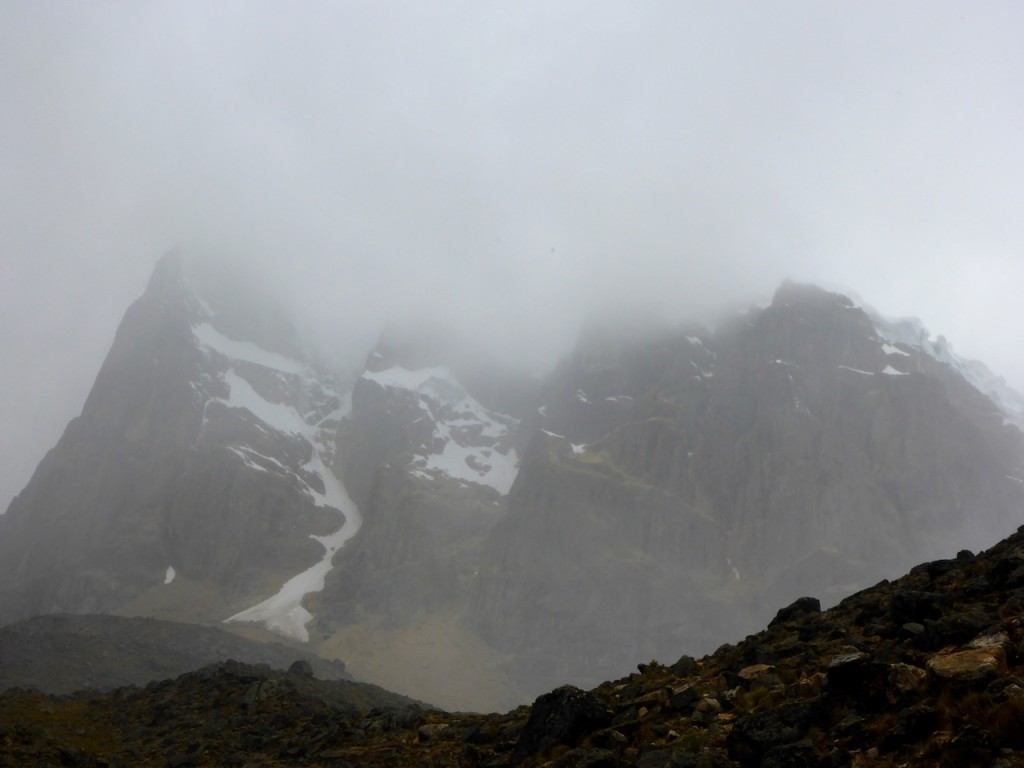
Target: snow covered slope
[(911, 333), (272, 388), (469, 442)]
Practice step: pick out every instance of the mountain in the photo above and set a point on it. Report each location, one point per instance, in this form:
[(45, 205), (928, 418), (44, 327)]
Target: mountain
[(925, 670), (472, 536), (678, 486), (194, 477)]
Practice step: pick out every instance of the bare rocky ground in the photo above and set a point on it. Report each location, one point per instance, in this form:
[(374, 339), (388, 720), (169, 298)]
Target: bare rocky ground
[(924, 670)]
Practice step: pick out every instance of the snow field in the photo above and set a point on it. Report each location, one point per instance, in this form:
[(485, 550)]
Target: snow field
[(452, 410)]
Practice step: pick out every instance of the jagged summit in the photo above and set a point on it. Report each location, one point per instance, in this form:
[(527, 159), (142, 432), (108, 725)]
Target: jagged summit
[(194, 476), (168, 275)]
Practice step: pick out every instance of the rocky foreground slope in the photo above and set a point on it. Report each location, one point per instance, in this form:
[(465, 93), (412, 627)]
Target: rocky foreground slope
[(925, 670)]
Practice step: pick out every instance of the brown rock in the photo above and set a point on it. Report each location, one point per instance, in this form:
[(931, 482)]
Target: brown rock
[(984, 659), (755, 671), (683, 697), (760, 676)]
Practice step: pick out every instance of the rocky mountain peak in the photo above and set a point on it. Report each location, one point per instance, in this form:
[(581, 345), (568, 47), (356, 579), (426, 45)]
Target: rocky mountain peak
[(794, 293), (168, 275)]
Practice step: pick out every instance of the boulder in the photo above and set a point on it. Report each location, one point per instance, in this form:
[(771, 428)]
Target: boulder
[(759, 676), (978, 664), (803, 606), (563, 716), (755, 735), (859, 678), (683, 698), (301, 667)]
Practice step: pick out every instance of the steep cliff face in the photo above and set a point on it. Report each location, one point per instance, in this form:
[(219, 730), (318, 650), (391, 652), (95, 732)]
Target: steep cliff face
[(680, 485), (84, 497), (593, 566), (192, 480)]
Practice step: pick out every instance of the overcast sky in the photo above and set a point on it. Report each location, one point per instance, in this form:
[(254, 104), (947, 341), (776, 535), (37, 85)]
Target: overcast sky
[(514, 164)]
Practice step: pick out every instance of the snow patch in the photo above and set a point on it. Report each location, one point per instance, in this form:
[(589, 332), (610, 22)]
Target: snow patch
[(911, 332), (889, 349), (283, 612), (460, 421), (169, 576), (277, 416), (464, 463), (619, 399), (248, 461), (400, 378), (244, 350), (889, 370), (855, 370), (703, 374)]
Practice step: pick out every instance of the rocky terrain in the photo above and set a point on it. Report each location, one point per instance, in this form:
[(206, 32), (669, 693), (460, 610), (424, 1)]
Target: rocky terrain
[(923, 670)]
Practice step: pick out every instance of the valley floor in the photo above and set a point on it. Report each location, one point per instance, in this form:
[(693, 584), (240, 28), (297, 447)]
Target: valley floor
[(435, 660)]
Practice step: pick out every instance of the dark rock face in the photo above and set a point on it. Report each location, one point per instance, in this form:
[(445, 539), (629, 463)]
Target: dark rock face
[(417, 552), (85, 491), (560, 717), (584, 565), (679, 485)]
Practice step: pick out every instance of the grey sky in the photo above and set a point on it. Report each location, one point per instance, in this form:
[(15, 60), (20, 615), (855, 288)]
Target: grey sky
[(512, 165)]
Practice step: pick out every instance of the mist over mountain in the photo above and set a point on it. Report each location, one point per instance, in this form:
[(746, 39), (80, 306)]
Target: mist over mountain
[(522, 166), (468, 534)]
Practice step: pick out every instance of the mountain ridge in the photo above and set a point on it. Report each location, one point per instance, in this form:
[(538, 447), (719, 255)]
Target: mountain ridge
[(658, 489)]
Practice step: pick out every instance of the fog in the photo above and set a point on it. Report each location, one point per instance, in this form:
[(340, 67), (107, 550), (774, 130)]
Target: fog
[(508, 168)]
